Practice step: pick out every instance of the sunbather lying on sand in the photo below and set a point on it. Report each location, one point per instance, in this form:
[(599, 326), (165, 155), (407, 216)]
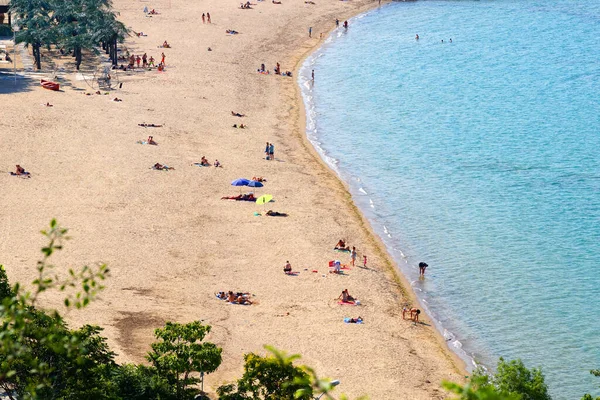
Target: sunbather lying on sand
[(203, 162), (258, 179), (161, 167), (272, 213), (231, 32), (166, 45), (358, 320), (275, 2), (238, 298), (241, 197), (20, 171), (236, 114), (242, 126), (150, 125), (245, 6)]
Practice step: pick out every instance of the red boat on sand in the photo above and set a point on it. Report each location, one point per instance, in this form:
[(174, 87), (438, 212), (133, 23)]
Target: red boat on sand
[(50, 85)]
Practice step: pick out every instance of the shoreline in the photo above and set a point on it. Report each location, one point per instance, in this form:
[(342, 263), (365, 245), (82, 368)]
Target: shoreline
[(169, 239), (401, 281)]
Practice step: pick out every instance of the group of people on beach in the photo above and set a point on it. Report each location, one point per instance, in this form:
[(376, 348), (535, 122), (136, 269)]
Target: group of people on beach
[(206, 18), (235, 297), (269, 151)]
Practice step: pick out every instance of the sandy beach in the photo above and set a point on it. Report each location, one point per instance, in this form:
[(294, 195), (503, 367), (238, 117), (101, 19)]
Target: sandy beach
[(169, 239)]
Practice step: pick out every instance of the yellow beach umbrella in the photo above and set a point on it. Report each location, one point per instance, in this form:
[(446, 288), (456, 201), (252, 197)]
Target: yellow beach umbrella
[(264, 199)]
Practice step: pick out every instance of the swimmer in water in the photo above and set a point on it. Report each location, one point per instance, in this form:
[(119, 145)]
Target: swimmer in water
[(450, 40), (417, 37)]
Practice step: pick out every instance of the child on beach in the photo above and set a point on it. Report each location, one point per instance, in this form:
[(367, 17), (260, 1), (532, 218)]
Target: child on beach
[(353, 255)]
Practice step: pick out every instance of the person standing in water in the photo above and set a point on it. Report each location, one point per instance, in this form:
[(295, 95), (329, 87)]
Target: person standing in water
[(337, 23), (422, 267), (417, 36), (346, 24), (313, 75)]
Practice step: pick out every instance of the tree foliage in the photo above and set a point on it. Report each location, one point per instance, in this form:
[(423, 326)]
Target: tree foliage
[(273, 377), (179, 355), (72, 26), (513, 378)]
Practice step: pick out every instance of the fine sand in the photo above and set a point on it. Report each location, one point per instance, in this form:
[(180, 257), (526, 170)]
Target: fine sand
[(169, 239)]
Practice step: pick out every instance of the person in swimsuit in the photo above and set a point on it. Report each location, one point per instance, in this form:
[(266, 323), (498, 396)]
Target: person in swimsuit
[(287, 268), (151, 141), (422, 267), (346, 297), (353, 255)]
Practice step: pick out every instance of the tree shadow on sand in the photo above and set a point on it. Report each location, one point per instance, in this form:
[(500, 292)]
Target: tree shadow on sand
[(9, 85)]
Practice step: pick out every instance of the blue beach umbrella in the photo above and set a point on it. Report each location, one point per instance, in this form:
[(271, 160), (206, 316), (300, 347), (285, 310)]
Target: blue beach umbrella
[(255, 184), (240, 182)]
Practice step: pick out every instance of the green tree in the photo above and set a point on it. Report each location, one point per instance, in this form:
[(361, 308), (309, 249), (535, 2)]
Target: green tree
[(473, 392), (273, 377), (138, 382), (595, 372), (35, 25), (35, 346), (180, 355)]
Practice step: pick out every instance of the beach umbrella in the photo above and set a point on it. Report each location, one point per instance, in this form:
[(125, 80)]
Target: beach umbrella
[(264, 199), (240, 182), (255, 184)]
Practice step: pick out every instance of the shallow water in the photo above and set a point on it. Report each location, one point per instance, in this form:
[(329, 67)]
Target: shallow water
[(480, 157)]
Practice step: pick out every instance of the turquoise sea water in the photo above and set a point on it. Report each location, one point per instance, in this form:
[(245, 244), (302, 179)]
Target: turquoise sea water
[(482, 158)]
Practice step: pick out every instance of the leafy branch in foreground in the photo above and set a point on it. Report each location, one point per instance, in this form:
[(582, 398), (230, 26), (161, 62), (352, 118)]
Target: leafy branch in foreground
[(31, 341), (275, 377)]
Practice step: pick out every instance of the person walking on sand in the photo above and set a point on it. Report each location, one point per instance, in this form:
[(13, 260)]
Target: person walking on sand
[(271, 151), (145, 60), (138, 59), (353, 255), (365, 261), (267, 151), (422, 267), (151, 62), (208, 18), (203, 18), (162, 61), (337, 23), (310, 31)]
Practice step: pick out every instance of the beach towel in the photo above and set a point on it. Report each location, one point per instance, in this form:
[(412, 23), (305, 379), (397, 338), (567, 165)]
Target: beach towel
[(197, 164), (293, 273), (348, 303)]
